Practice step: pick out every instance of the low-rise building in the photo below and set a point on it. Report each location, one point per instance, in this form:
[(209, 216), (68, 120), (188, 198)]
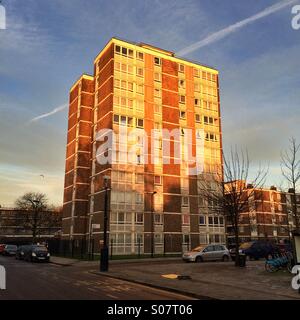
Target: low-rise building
[(17, 226), (267, 216)]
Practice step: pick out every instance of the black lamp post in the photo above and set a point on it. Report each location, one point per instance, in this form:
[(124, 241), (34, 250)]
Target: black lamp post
[(152, 223), (104, 249)]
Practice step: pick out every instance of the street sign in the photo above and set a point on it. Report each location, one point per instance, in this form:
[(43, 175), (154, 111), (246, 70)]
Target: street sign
[(95, 226)]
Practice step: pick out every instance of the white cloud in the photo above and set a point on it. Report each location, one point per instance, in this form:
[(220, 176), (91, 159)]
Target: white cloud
[(235, 27)]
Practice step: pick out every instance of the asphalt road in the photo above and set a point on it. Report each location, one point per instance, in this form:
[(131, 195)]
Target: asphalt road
[(44, 281)]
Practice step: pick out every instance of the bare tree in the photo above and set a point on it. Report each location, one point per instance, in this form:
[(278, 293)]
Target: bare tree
[(34, 216), (231, 193), (290, 168)]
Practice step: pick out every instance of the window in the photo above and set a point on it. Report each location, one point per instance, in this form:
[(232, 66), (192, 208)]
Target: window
[(182, 114), (140, 89), (181, 68), (182, 99), (197, 102), (210, 221), (130, 103), (157, 93), (140, 72), (123, 120), (140, 123), (118, 49), (157, 76), (158, 218), (181, 83), (196, 73), (202, 220), (121, 217), (185, 201), (221, 220), (117, 83), (140, 56), (197, 87), (139, 218), (157, 180), (157, 108), (130, 86), (138, 198), (130, 53), (124, 51), (116, 118), (139, 105), (198, 118), (139, 178), (186, 219), (216, 220), (157, 61)]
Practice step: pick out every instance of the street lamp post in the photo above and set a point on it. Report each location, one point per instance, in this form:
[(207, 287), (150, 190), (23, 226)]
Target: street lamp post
[(152, 223), (104, 249)]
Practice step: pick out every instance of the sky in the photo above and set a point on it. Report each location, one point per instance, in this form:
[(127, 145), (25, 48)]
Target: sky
[(47, 45)]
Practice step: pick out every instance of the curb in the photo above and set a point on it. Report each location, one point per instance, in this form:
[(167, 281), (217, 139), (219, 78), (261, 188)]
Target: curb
[(155, 286)]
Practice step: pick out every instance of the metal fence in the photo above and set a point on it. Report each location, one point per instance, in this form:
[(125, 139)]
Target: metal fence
[(89, 249)]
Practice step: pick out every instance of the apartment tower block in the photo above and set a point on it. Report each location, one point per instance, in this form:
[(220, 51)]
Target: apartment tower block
[(143, 89)]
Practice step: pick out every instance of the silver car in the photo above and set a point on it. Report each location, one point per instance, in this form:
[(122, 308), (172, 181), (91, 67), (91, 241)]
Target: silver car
[(211, 252)]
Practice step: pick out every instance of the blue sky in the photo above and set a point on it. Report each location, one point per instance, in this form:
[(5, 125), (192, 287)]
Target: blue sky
[(48, 44)]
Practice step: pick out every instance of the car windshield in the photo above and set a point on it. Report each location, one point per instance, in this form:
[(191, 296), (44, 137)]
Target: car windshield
[(198, 249), (246, 245), (11, 247), (39, 248)]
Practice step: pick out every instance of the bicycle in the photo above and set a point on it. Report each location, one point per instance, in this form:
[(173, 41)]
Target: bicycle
[(279, 261)]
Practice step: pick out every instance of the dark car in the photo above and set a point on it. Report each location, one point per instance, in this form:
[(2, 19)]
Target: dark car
[(9, 250), (21, 252), (36, 253), (255, 249)]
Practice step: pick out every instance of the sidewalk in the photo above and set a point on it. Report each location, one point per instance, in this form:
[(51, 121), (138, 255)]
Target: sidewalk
[(210, 280), (70, 261)]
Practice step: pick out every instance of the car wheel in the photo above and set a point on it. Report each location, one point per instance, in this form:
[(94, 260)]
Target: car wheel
[(225, 258), (199, 259)]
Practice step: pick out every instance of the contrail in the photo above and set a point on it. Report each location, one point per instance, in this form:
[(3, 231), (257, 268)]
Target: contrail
[(235, 27), (45, 115)]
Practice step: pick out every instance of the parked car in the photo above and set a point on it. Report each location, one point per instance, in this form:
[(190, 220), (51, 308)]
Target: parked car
[(21, 252), (36, 253), (207, 253), (2, 246), (9, 250), (255, 249)]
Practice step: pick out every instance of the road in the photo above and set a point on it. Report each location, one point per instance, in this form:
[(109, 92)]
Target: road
[(41, 281)]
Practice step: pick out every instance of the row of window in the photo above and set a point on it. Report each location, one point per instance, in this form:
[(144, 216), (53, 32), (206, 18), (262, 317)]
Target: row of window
[(127, 218), (198, 118), (130, 54), (121, 50), (128, 68), (212, 221), (205, 75), (128, 121), (123, 176)]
